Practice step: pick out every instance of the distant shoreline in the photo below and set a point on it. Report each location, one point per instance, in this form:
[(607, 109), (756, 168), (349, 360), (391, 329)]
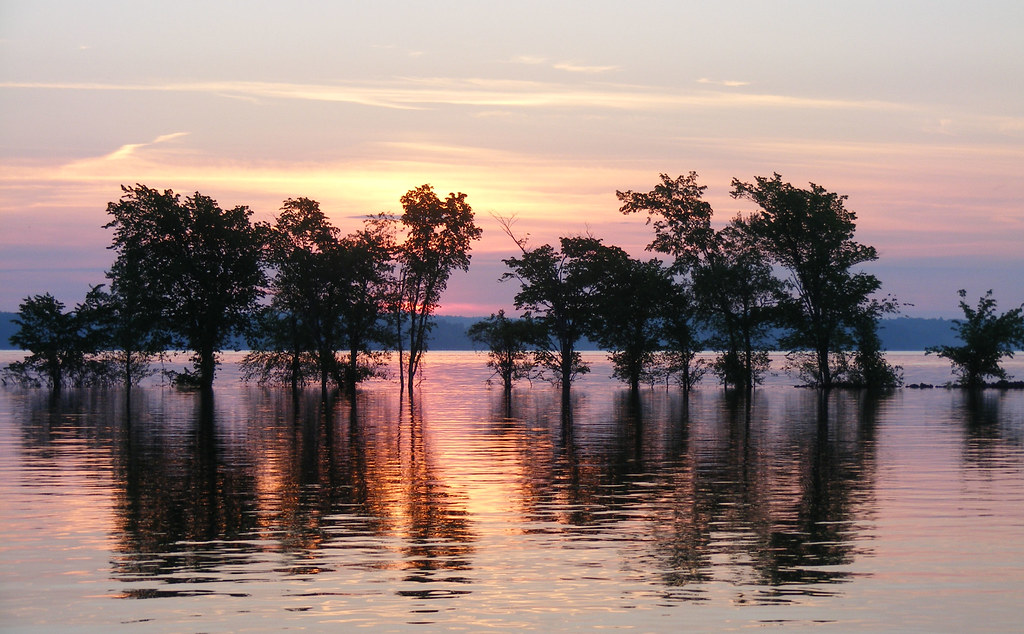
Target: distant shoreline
[(900, 334)]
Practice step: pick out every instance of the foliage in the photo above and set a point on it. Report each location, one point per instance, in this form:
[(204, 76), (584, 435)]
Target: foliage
[(729, 273), (367, 267), (558, 289), (869, 368), (277, 367), (809, 232), (676, 366), (325, 297), (682, 343), (64, 346), (196, 266), (509, 343), (439, 236), (630, 306), (738, 295), (680, 217), (132, 311), (130, 341), (987, 338)]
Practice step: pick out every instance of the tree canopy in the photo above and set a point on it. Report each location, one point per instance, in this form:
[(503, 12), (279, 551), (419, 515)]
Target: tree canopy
[(559, 288), (733, 288), (810, 233), (987, 338), (196, 266), (509, 343), (438, 238), (63, 344)]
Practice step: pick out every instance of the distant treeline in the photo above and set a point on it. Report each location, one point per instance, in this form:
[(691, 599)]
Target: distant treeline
[(449, 333)]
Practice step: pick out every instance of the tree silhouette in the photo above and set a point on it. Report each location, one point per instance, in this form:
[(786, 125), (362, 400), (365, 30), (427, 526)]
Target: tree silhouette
[(558, 290), (326, 297), (300, 328), (62, 345), (809, 232), (439, 236), (199, 267), (508, 343), (367, 265), (738, 295), (730, 275), (987, 337), (134, 308), (681, 337), (630, 308)]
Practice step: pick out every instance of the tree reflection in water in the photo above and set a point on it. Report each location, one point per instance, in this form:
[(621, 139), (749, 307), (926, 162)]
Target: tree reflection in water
[(472, 509), (767, 492), (723, 493), (274, 497)]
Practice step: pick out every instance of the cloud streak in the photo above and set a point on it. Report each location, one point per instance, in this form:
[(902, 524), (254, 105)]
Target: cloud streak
[(723, 82), (571, 67), (567, 66), (129, 149), (420, 93)]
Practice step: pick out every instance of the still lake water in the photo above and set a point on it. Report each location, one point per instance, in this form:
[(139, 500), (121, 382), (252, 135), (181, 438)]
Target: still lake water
[(903, 512)]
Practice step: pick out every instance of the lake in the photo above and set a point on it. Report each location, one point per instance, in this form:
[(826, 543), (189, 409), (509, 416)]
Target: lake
[(901, 512)]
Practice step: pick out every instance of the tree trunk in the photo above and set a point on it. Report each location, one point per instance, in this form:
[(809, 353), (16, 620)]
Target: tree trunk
[(353, 369), (207, 366), (824, 372), (56, 376), (566, 370), (128, 371)]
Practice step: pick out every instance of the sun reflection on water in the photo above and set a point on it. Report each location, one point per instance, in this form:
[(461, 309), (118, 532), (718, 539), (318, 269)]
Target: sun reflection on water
[(465, 508)]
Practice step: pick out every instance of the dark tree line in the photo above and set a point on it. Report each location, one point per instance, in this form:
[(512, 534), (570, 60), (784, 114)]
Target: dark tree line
[(321, 307), (720, 281), (315, 305)]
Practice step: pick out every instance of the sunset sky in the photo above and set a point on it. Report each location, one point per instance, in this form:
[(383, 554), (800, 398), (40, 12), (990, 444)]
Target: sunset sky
[(541, 110)]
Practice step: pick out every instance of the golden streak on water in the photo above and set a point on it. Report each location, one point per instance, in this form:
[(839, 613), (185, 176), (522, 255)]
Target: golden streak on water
[(465, 512)]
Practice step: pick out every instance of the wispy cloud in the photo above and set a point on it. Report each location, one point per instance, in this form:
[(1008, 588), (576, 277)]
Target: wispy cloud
[(419, 93), (728, 83), (579, 68), (129, 149), (567, 66)]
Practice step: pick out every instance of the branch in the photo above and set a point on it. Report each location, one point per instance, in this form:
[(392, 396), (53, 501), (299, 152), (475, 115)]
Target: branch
[(506, 222)]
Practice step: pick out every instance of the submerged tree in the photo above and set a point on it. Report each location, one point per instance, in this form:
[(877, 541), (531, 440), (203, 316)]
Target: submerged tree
[(869, 368), (738, 296), (133, 313), (630, 308), (439, 236), (987, 338), (197, 265), (368, 263), (810, 232), (730, 275), (681, 337), (509, 344), (299, 330), (325, 298), (276, 356), (132, 338), (63, 345), (558, 290)]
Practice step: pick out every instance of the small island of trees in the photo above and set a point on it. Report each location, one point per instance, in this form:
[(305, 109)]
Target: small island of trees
[(320, 307)]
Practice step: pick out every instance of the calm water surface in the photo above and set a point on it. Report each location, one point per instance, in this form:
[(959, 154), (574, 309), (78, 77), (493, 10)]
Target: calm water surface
[(462, 511)]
